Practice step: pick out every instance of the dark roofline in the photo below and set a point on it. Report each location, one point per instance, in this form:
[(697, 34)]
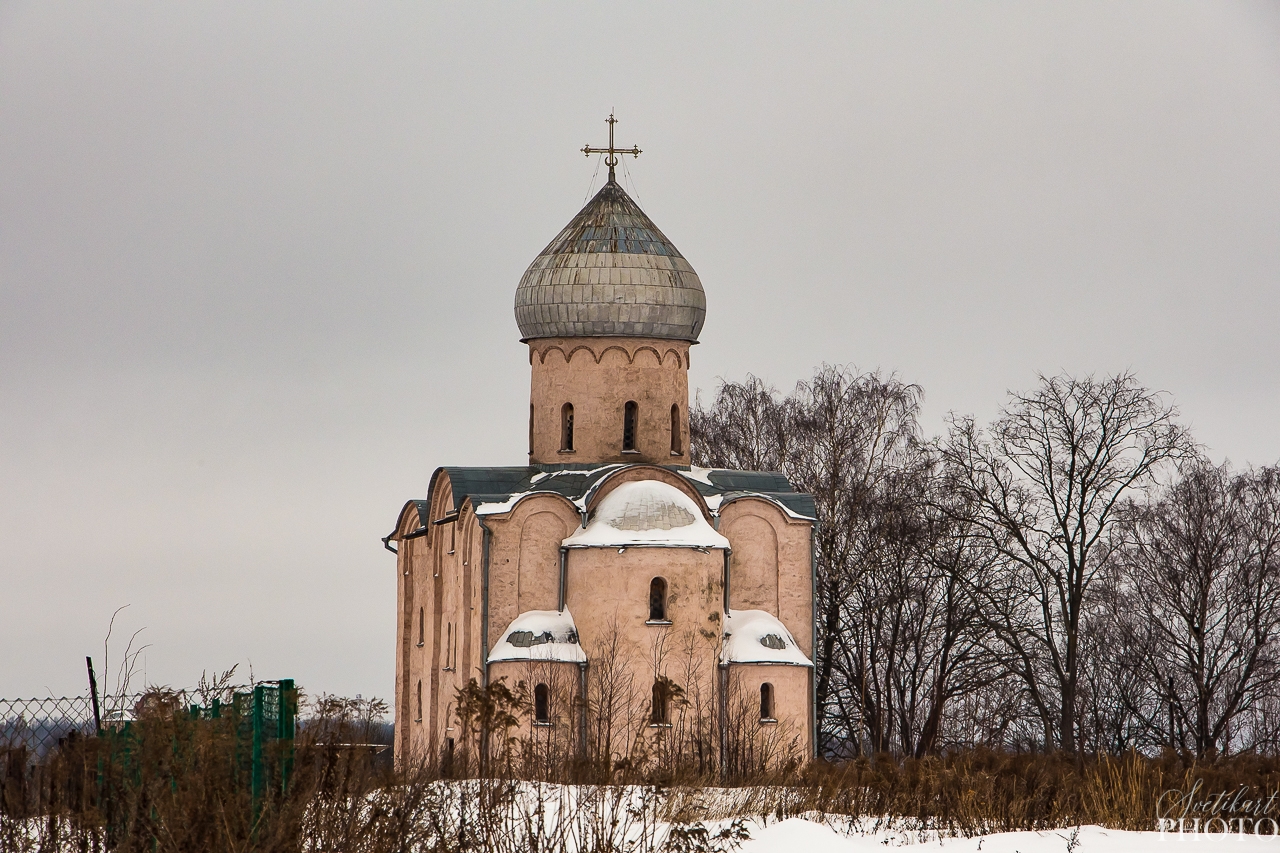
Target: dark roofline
[(575, 480)]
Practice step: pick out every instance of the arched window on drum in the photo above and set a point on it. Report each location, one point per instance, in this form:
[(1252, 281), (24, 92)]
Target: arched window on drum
[(566, 428), (630, 423)]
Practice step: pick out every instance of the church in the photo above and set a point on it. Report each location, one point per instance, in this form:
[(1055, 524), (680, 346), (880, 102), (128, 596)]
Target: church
[(637, 607)]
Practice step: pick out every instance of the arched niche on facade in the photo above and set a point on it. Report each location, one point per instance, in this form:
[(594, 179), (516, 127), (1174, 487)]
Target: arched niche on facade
[(517, 580), (539, 569), (753, 564)]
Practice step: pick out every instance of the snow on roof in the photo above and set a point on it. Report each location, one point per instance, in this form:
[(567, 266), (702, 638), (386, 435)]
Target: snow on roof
[(548, 635), (504, 506), (702, 475), (647, 512), (577, 472), (754, 636)]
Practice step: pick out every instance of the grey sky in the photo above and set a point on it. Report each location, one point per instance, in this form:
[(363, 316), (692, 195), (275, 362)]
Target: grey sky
[(257, 261)]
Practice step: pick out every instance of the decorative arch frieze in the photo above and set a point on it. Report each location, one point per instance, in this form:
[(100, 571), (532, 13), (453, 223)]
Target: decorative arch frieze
[(597, 351)]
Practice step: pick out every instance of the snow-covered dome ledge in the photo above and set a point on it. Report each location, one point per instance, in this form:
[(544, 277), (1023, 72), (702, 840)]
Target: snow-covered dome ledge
[(646, 512), (756, 636), (540, 635)]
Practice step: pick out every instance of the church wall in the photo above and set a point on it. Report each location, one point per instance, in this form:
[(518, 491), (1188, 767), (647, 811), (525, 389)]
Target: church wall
[(598, 376), (790, 737), (771, 566), (608, 589), (420, 630), (556, 740), (474, 641), (608, 594), (524, 560), (455, 654), (406, 608), (439, 631)]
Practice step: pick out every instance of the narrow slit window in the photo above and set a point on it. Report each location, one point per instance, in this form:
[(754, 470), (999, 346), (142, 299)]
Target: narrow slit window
[(542, 704), (531, 429), (766, 702), (657, 600), (422, 626), (630, 414), (660, 713), (418, 716), (676, 445), (566, 428)]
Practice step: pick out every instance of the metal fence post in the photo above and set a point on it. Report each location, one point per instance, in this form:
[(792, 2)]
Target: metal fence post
[(256, 771), (287, 723)]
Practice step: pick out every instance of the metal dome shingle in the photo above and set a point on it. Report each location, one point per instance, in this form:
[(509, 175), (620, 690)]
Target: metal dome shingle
[(610, 272)]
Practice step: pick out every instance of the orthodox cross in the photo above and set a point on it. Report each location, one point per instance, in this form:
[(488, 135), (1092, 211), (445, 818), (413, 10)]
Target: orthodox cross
[(612, 153)]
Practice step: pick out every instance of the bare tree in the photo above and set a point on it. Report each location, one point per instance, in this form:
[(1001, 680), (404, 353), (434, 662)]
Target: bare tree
[(896, 629), (744, 428), (954, 654), (1198, 595), (1044, 486)]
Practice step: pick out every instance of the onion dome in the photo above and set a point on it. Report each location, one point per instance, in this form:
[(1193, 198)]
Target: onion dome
[(610, 272)]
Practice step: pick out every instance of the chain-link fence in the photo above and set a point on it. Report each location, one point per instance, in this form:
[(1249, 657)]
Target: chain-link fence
[(38, 725)]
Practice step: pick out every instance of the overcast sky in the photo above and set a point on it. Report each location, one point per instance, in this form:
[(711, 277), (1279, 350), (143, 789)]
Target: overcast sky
[(257, 262)]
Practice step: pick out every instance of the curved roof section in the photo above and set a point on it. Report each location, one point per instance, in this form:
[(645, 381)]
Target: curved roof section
[(646, 512), (610, 272), (545, 635), (756, 636)]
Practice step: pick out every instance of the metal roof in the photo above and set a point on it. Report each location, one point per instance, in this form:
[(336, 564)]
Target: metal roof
[(610, 272), (497, 485)]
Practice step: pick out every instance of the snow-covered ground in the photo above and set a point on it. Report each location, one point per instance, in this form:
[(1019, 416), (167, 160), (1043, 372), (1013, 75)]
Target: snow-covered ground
[(505, 817), (798, 835)]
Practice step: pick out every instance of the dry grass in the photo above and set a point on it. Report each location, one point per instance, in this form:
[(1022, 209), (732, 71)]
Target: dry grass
[(180, 786)]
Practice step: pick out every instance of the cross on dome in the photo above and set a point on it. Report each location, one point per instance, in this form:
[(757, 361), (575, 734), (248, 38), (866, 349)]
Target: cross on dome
[(611, 160)]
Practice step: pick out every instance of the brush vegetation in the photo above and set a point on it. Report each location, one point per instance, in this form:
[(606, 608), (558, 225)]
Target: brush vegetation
[(180, 786)]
